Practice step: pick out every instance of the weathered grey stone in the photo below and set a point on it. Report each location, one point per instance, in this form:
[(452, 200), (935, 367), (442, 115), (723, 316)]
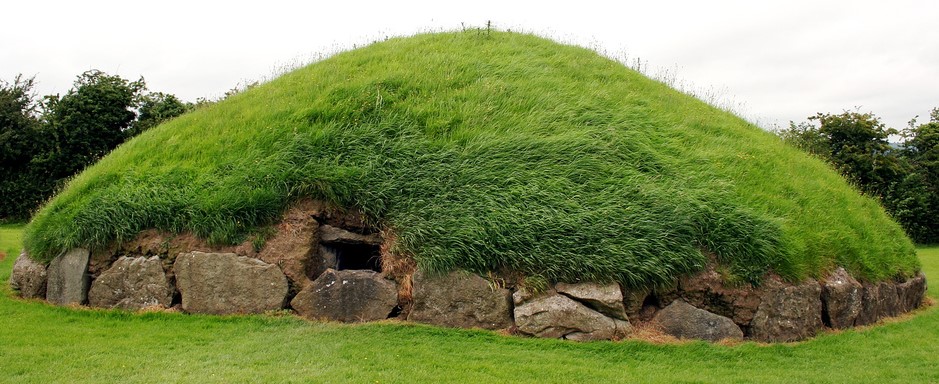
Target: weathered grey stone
[(225, 283), (788, 313), (684, 321), (841, 299), (68, 278), (460, 299), (604, 298), (552, 315), (28, 277), (911, 292), (331, 234), (878, 300), (132, 283), (871, 307), (888, 299), (347, 296)]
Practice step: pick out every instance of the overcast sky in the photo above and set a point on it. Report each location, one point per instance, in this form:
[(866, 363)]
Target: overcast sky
[(780, 60)]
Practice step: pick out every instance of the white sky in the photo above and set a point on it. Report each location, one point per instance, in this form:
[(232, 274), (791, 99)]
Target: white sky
[(782, 60)]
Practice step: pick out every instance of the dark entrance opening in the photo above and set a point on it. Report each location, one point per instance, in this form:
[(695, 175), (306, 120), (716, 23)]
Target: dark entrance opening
[(355, 256)]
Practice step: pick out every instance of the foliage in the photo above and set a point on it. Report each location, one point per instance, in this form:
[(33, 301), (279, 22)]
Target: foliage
[(904, 179), (857, 144), (484, 153), (807, 137), (90, 120), (155, 108), (20, 138), (917, 205), (17, 120), (44, 143), (93, 346)]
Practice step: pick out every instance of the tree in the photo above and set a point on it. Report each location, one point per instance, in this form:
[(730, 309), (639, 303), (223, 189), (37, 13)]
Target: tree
[(922, 147), (44, 143), (20, 139), (917, 203), (855, 144), (905, 179), (89, 121), (807, 137), (18, 120), (155, 108)]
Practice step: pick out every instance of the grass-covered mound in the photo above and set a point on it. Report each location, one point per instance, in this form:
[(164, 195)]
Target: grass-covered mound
[(496, 151)]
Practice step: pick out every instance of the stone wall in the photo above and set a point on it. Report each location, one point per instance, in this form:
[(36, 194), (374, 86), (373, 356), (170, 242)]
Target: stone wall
[(329, 266)]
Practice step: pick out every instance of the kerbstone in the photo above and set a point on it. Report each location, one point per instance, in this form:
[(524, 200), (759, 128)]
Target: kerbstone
[(684, 321), (841, 299), (460, 299), (604, 298), (68, 278), (552, 315), (28, 277), (225, 283), (788, 313), (132, 283), (347, 296)]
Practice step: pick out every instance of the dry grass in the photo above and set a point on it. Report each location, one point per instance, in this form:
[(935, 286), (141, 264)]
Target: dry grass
[(650, 333)]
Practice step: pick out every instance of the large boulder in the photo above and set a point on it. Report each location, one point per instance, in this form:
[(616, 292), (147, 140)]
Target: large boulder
[(788, 312), (552, 315), (871, 307), (132, 283), (889, 300), (841, 299), (68, 278), (331, 234), (684, 321), (911, 292), (604, 298), (460, 299), (28, 277), (706, 290), (347, 296), (878, 300), (225, 283)]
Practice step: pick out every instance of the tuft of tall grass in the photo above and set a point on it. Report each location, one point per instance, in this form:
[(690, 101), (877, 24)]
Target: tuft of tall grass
[(490, 151)]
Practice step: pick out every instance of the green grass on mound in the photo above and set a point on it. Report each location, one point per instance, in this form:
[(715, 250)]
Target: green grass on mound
[(484, 152)]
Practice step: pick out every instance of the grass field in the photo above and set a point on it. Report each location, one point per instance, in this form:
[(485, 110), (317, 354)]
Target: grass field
[(40, 343), (487, 152)]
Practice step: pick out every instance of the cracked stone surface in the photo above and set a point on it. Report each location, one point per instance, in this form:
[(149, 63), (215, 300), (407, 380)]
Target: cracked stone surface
[(460, 299), (225, 283), (347, 296), (552, 315)]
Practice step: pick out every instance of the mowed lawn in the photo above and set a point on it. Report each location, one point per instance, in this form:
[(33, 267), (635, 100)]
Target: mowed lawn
[(40, 343)]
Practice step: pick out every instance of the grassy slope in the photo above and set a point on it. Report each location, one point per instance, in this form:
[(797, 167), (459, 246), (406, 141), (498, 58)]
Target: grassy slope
[(43, 344), (488, 152)]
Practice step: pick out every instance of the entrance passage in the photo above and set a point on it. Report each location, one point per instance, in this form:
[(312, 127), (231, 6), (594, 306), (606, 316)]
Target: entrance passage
[(355, 256)]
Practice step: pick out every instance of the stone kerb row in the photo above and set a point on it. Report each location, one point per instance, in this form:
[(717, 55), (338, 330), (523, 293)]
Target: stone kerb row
[(700, 307)]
